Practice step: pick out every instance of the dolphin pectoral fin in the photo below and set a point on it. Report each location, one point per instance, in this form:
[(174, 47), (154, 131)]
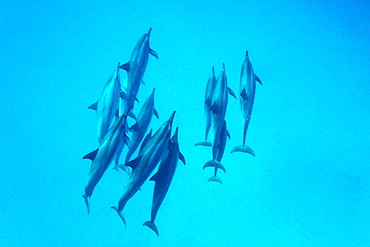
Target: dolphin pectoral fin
[(257, 79), (243, 149), (86, 198), (91, 156), (119, 214), (182, 158), (94, 106), (152, 226), (153, 53), (215, 179), (214, 163), (231, 92), (155, 113), (228, 134), (204, 143), (125, 66)]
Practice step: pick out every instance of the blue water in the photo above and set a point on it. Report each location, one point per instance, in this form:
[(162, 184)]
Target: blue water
[(309, 184)]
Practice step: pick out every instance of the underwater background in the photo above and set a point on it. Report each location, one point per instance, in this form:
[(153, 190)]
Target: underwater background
[(309, 184)]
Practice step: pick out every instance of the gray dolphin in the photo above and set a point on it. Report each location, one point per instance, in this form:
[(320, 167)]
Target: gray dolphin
[(107, 105), (163, 178), (136, 68), (104, 155), (140, 127), (218, 149), (247, 91), (145, 163)]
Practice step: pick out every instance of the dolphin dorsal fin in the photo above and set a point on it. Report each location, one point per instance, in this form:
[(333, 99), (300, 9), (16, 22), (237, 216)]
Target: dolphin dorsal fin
[(133, 163), (125, 66), (243, 94), (94, 106), (91, 156)]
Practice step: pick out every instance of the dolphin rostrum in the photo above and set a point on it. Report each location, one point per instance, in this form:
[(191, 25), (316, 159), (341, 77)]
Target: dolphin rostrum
[(163, 178), (247, 91), (145, 163)]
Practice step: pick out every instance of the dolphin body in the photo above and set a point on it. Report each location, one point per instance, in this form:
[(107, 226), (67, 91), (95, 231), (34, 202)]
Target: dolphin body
[(163, 178), (218, 149), (142, 124), (211, 84), (247, 89), (136, 68), (145, 163), (107, 105), (104, 155)]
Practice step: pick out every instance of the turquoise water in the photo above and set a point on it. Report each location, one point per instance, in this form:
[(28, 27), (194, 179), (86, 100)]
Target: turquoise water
[(309, 184)]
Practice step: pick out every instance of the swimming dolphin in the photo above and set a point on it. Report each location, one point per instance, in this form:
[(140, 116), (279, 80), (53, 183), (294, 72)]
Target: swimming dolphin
[(247, 91), (211, 84), (103, 156), (107, 105), (136, 68), (142, 124), (163, 178), (218, 149), (145, 163)]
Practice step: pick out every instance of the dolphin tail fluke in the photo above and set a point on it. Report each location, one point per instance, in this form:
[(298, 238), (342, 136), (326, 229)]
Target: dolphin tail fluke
[(215, 179), (152, 226), (86, 198), (119, 214), (204, 143), (214, 163), (243, 149)]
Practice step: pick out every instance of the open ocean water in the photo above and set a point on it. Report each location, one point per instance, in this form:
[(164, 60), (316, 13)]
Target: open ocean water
[(309, 184)]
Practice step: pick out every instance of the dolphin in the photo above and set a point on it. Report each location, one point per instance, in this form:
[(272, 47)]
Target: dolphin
[(218, 149), (142, 124), (103, 156), (107, 105), (247, 89), (145, 163), (163, 178), (136, 68), (211, 84)]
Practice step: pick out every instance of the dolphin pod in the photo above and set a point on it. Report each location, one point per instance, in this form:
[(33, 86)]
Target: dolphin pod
[(216, 102), (158, 153), (116, 103)]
